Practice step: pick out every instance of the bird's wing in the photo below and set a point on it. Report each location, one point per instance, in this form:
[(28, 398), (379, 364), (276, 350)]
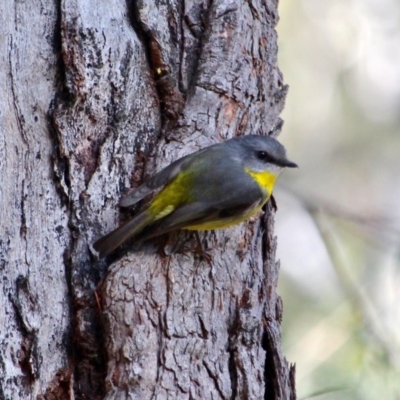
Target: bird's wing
[(193, 214), (158, 180), (176, 220), (108, 243)]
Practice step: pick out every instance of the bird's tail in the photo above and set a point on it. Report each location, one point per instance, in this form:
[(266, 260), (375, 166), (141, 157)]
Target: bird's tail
[(108, 243)]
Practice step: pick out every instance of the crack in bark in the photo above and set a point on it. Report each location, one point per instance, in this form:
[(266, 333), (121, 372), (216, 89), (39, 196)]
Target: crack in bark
[(60, 387), (27, 355), (279, 377), (59, 161), (181, 46), (233, 372), (159, 350), (23, 228), (279, 384), (85, 376), (213, 88), (197, 20), (2, 376), (231, 349), (18, 115), (172, 101), (227, 11), (215, 380)]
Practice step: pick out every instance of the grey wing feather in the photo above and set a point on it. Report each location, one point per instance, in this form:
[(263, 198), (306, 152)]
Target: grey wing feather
[(108, 243), (158, 180), (178, 219), (192, 214)]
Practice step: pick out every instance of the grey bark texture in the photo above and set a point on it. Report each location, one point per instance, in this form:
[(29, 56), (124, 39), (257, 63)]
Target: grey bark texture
[(95, 97)]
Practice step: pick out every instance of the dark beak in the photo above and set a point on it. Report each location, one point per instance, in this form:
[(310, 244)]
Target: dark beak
[(291, 164), (288, 164)]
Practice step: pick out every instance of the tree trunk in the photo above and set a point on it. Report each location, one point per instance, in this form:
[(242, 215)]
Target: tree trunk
[(95, 97)]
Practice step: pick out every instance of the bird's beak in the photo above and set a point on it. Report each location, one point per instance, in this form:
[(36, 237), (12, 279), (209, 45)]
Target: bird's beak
[(289, 164)]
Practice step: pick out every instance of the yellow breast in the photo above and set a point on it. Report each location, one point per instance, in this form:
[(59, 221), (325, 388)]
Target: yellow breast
[(265, 180)]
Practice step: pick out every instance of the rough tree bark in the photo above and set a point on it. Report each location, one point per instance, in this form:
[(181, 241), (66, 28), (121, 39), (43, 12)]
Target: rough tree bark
[(95, 96)]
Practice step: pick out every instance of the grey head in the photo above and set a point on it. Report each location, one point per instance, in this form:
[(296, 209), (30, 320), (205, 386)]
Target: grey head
[(259, 152)]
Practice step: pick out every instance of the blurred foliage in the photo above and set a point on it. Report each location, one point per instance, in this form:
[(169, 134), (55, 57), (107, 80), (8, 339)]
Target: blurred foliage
[(339, 218)]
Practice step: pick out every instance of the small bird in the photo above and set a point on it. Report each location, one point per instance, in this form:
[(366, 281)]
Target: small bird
[(216, 187)]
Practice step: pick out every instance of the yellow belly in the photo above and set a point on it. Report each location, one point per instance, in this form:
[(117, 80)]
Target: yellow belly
[(226, 222)]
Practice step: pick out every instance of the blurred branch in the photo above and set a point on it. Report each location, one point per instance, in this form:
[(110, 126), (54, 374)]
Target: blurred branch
[(324, 391), (378, 229)]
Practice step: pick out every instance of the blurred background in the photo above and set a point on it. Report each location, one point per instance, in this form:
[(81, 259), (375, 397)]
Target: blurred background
[(338, 221)]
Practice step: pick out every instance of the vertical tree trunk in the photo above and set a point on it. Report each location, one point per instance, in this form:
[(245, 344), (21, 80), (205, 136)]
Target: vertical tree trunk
[(34, 234), (95, 97)]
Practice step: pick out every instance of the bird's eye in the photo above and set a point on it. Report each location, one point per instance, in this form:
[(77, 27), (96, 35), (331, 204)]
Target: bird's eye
[(262, 155)]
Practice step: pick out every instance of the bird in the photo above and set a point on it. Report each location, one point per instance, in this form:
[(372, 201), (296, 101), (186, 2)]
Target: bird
[(219, 186)]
